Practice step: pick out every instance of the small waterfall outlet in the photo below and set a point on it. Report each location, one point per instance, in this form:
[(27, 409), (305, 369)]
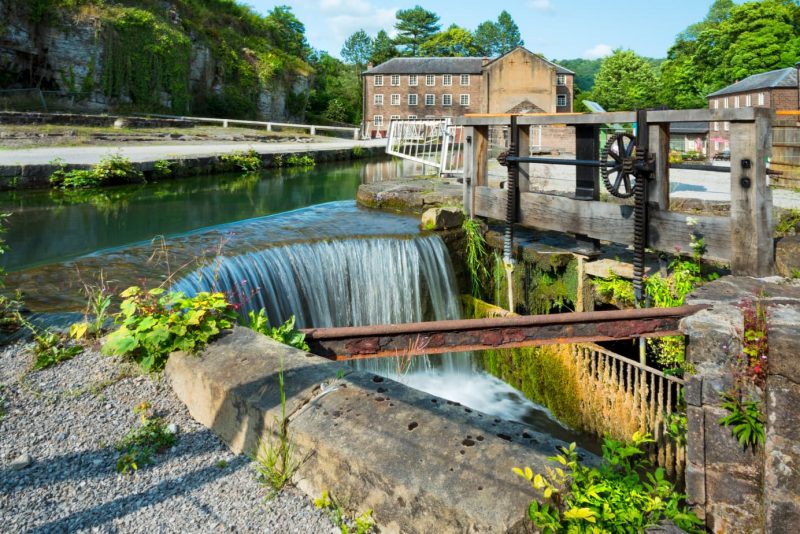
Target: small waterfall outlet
[(348, 282)]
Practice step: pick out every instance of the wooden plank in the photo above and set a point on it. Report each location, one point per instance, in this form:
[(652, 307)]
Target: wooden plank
[(658, 189), (752, 248), (607, 221), (524, 183), (480, 152)]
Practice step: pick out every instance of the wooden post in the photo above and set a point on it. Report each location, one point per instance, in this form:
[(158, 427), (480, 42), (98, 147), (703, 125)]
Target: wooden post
[(480, 156), (752, 249), (658, 190), (524, 184), (584, 298), (313, 130), (469, 136)]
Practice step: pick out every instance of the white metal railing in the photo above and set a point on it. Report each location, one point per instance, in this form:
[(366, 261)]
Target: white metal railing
[(312, 128), (433, 142)]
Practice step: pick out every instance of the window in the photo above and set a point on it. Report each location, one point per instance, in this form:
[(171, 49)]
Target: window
[(716, 146), (465, 79), (725, 103), (727, 126), (396, 100), (716, 104), (561, 101), (430, 116), (377, 81), (378, 100), (716, 126), (736, 101), (447, 79), (412, 117), (395, 80), (464, 100), (430, 100), (760, 99), (561, 79), (748, 100), (430, 80), (377, 120), (395, 117), (412, 80), (412, 100), (447, 100)]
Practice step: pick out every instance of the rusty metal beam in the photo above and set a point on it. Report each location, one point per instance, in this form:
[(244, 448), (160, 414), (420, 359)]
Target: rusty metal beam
[(436, 337)]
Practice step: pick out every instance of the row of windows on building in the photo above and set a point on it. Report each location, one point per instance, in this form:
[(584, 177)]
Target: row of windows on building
[(430, 80), (725, 126), (737, 100), (377, 120), (413, 80), (430, 100)]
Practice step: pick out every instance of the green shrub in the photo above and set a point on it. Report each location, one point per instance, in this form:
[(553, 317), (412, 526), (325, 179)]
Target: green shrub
[(359, 152), (789, 222), (285, 333), (50, 349), (155, 323), (249, 161), (475, 255), (139, 445), (162, 168), (745, 421), (296, 160), (613, 497), (113, 170)]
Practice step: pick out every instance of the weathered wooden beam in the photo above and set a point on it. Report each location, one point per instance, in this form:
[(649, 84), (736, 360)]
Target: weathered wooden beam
[(658, 190), (683, 115), (608, 221), (480, 152), (438, 337)]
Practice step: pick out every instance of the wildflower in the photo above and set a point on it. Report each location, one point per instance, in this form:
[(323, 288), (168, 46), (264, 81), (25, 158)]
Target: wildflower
[(691, 221)]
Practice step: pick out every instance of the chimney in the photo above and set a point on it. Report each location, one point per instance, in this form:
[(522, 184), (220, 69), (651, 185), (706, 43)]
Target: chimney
[(370, 65)]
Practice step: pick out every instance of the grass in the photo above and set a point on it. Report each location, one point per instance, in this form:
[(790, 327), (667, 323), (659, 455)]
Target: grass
[(140, 444)]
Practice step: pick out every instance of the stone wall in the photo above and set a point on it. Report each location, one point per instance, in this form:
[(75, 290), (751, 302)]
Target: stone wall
[(734, 488)]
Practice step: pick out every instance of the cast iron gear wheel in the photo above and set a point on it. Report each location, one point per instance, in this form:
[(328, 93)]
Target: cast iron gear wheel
[(619, 178), (502, 158)]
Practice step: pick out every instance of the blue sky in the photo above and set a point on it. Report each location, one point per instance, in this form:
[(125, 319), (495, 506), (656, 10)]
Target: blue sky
[(560, 29)]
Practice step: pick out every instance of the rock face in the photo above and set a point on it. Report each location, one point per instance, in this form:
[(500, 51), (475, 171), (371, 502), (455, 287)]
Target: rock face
[(787, 256), (736, 489), (67, 57), (442, 218)]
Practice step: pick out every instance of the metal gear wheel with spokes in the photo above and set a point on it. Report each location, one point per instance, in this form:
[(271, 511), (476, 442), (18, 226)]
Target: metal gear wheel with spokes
[(620, 153)]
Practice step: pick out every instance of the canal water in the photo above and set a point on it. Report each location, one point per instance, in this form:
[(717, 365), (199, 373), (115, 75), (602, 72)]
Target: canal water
[(293, 242)]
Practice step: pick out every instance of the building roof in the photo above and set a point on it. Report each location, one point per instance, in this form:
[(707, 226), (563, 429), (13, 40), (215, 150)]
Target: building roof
[(688, 127), (444, 65), (773, 79)]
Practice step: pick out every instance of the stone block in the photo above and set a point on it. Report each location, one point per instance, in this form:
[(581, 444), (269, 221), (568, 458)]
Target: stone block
[(442, 218), (734, 519), (723, 451), (787, 256), (713, 336), (695, 435), (695, 485), (783, 516), (784, 341), (693, 391), (783, 401)]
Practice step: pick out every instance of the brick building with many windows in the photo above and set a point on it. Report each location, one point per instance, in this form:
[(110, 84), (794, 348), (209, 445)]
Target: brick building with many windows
[(776, 89), (436, 87)]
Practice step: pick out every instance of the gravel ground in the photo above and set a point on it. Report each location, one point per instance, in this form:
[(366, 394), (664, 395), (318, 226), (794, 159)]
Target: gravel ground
[(68, 418)]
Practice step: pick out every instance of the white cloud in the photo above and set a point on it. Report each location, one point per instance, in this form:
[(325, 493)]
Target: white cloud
[(343, 17), (541, 5), (598, 51)]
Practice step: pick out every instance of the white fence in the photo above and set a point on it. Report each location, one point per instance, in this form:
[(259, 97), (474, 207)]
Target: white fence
[(312, 128), (432, 142)]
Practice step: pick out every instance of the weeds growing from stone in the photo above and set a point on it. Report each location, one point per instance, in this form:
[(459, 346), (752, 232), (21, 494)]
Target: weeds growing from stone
[(284, 333), (249, 161), (362, 524), (112, 170), (475, 255), (96, 313), (141, 444)]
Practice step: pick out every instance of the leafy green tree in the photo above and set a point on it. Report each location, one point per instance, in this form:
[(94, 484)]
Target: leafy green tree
[(508, 33), (453, 42), (414, 27), (285, 29), (335, 90), (358, 49), (487, 38), (625, 81), (383, 48), (585, 70)]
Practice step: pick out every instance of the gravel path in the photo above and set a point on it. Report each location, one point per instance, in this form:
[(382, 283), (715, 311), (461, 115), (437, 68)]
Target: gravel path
[(68, 419)]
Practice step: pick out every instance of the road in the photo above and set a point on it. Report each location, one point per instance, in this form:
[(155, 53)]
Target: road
[(90, 155)]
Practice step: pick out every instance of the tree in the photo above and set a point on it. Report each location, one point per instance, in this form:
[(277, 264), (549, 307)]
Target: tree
[(414, 27), (487, 38), (383, 48), (335, 90), (287, 31), (508, 36), (625, 81), (454, 42), (585, 71), (358, 49)]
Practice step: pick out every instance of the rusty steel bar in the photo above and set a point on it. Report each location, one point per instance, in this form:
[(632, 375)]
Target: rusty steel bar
[(437, 337)]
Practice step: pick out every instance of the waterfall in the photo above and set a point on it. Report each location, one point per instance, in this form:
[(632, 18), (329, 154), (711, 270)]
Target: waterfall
[(348, 282)]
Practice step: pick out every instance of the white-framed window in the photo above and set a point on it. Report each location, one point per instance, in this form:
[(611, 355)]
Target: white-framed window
[(412, 117), (725, 103), (561, 79), (447, 100), (716, 146), (447, 80), (561, 101), (463, 100), (395, 80), (716, 104), (412, 100), (430, 116), (736, 101), (430, 80), (395, 117), (760, 99), (378, 100), (377, 120), (395, 99), (430, 100), (412, 80), (716, 126), (465, 79), (727, 126), (748, 100), (377, 81)]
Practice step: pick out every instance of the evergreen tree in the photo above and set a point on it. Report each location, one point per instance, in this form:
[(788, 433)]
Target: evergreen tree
[(487, 38), (508, 36), (383, 48), (414, 27), (358, 49)]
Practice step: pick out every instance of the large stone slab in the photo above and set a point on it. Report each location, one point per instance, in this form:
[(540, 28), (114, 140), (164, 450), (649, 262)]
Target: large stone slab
[(412, 195), (421, 463)]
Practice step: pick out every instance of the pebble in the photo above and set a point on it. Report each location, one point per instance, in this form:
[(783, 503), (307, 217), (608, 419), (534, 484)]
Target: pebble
[(73, 485)]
